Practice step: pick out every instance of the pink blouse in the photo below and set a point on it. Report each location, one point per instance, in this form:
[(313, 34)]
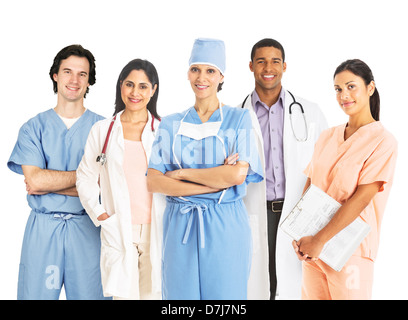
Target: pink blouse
[(135, 167)]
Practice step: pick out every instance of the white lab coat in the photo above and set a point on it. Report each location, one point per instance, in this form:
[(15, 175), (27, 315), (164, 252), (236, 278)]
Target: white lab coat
[(116, 231), (296, 157)]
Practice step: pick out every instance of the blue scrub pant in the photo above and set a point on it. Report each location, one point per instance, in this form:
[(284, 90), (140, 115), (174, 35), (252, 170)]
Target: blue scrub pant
[(60, 249), (207, 250)]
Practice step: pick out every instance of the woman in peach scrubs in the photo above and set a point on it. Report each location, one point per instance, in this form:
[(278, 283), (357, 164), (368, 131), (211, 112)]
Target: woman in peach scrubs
[(354, 164)]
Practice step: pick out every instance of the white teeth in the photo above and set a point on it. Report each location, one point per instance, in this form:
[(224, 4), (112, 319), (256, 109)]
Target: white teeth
[(269, 77), (201, 87)]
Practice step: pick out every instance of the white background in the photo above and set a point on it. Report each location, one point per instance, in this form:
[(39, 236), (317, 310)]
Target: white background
[(317, 36)]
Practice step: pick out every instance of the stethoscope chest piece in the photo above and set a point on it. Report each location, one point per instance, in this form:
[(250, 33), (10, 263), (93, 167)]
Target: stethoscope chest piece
[(101, 158)]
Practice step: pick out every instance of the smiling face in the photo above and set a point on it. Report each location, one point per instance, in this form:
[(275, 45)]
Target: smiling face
[(268, 68), (352, 94), (72, 78), (204, 80), (136, 90)]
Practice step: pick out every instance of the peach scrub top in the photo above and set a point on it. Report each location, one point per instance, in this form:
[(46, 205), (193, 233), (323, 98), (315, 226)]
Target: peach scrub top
[(135, 168), (339, 166)]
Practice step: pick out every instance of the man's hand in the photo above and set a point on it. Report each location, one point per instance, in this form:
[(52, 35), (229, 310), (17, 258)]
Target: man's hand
[(31, 191)]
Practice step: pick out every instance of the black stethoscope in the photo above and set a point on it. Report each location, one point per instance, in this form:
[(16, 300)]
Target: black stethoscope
[(290, 115), (102, 157)]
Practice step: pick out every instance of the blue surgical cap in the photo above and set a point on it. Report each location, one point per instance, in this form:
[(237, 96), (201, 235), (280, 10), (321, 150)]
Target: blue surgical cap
[(209, 51)]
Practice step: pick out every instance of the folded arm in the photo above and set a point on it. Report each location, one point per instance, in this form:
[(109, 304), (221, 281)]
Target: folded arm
[(42, 181), (220, 177), (160, 183)]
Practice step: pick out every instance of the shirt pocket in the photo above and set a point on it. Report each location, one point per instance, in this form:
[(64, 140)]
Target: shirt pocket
[(345, 178)]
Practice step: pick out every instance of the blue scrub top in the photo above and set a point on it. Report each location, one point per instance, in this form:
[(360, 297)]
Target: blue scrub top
[(44, 141), (236, 132)]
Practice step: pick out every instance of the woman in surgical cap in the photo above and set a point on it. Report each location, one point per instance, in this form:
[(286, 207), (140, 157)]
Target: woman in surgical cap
[(202, 160)]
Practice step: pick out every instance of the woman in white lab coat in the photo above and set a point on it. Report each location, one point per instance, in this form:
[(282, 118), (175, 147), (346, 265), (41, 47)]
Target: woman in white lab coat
[(114, 194)]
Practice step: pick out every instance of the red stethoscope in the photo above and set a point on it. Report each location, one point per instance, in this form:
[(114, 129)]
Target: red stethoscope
[(102, 157)]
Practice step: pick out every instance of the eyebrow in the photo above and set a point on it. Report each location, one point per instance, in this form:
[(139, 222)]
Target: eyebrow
[(69, 69), (130, 81), (263, 58), (336, 85), (205, 66)]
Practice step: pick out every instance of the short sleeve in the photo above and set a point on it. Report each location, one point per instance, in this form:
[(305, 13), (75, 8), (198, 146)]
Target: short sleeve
[(27, 150), (380, 166), (247, 149), (161, 148), (320, 142), (309, 168)]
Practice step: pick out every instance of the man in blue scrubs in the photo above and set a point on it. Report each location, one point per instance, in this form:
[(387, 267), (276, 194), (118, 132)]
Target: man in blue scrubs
[(61, 246)]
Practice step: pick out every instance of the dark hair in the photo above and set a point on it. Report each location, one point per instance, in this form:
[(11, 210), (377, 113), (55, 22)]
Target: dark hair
[(73, 50), (361, 69), (151, 73), (267, 43)]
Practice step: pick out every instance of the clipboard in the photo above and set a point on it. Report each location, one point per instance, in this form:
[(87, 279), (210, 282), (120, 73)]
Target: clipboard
[(311, 214)]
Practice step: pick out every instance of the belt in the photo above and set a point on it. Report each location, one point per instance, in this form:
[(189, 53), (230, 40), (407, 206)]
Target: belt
[(275, 205), (189, 208)]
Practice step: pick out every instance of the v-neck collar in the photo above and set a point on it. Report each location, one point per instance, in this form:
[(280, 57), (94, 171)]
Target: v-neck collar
[(193, 114), (61, 123), (359, 132)]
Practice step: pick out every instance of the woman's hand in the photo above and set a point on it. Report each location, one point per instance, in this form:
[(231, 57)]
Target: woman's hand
[(232, 159), (308, 248), (175, 174), (103, 216), (300, 255)]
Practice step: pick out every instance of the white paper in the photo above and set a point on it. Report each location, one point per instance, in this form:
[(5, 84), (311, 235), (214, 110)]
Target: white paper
[(311, 214)]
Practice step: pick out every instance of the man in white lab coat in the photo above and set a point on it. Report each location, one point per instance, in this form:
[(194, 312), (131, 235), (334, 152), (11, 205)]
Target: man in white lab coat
[(285, 142)]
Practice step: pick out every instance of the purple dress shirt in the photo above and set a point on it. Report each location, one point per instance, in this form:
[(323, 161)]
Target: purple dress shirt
[(271, 122)]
